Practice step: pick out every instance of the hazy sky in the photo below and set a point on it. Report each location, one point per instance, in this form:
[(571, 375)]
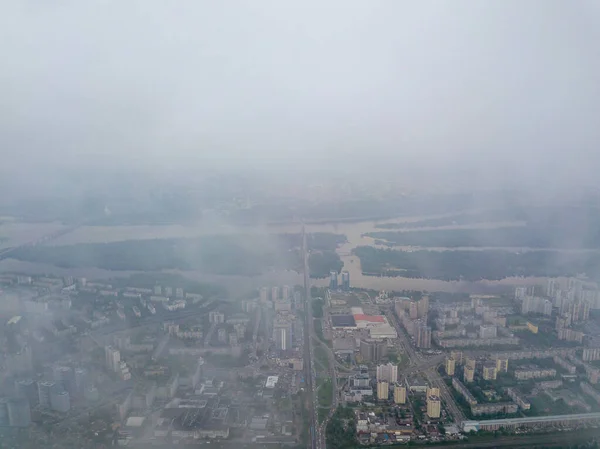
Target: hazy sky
[(514, 83)]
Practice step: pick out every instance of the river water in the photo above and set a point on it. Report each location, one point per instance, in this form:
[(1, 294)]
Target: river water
[(354, 232)]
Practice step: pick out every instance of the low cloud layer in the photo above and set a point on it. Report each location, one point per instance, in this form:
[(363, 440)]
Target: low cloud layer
[(507, 86)]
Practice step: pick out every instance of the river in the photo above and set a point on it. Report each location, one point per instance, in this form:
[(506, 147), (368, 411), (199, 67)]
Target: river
[(18, 233)]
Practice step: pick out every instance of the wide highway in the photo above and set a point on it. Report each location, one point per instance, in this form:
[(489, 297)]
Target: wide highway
[(315, 437)]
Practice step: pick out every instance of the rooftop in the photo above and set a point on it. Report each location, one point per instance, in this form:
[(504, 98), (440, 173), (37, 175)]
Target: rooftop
[(135, 421), (370, 318), (343, 321), (271, 381)]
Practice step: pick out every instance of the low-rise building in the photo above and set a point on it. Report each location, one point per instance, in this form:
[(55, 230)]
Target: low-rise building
[(493, 408), (477, 342), (549, 384), (463, 391), (591, 354), (590, 391), (571, 369), (516, 396), (533, 372), (570, 335)]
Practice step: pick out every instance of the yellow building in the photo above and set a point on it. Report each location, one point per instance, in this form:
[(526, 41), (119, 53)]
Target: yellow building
[(489, 372), (450, 366), (432, 392), (383, 390), (434, 406), (470, 363), (502, 365), (469, 374), (399, 394), (457, 356), (532, 327)]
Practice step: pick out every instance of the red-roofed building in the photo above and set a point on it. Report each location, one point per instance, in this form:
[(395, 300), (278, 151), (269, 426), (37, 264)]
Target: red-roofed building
[(369, 320)]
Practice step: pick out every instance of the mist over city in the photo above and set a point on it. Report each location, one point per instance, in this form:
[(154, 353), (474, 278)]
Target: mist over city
[(324, 225)]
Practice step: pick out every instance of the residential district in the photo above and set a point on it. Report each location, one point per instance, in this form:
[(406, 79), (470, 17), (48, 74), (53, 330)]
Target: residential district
[(92, 364)]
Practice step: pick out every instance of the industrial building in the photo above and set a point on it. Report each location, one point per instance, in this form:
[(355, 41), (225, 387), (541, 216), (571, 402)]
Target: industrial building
[(366, 321), (343, 322), (382, 331)]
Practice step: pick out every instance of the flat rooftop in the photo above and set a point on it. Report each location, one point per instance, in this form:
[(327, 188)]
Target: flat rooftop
[(370, 318), (343, 321), (538, 419)]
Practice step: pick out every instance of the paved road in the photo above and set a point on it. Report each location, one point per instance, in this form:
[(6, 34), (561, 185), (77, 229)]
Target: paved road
[(428, 368), (316, 440), (334, 387)]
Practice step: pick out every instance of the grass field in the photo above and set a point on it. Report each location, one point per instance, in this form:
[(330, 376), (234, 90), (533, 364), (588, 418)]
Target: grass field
[(324, 397)]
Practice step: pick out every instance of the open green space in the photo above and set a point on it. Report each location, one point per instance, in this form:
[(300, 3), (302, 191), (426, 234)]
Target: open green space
[(399, 359), (319, 331), (321, 359), (460, 219), (564, 227), (317, 307), (507, 237), (240, 254), (543, 340), (542, 405), (324, 397), (475, 265), (341, 429)]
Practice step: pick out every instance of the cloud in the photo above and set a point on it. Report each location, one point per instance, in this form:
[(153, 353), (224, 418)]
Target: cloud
[(505, 85)]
